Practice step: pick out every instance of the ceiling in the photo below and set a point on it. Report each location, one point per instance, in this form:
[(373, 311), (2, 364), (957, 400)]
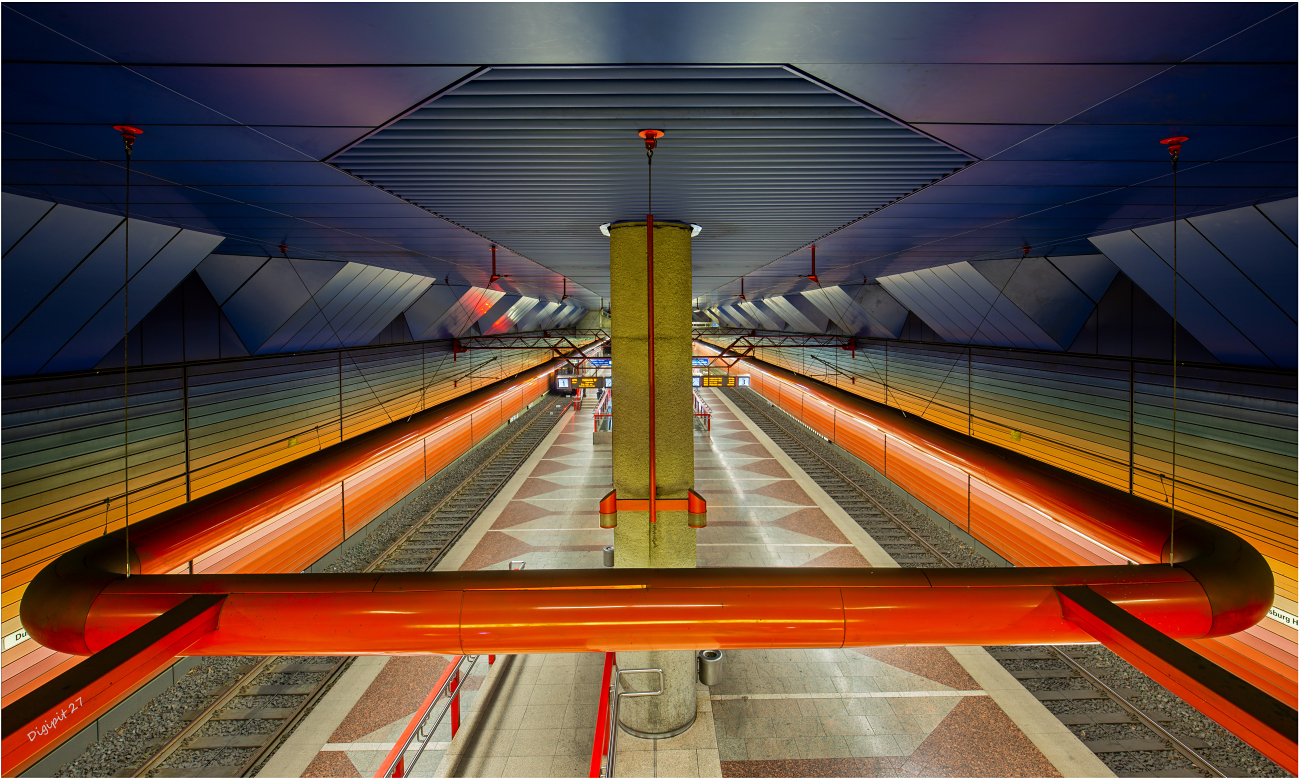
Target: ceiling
[(412, 136)]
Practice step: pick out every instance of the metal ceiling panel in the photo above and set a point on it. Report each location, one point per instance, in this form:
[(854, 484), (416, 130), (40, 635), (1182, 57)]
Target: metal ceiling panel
[(537, 158)]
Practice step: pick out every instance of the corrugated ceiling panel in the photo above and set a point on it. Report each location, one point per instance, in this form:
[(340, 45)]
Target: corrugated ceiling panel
[(19, 214), (515, 149)]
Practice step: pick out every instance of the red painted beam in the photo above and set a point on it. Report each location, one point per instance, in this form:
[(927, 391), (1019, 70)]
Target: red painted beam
[(48, 716)]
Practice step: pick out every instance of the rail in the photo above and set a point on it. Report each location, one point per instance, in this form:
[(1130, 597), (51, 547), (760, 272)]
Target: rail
[(424, 724), (702, 411), (603, 419), (604, 748)]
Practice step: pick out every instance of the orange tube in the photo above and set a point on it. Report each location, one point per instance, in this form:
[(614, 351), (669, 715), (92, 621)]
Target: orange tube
[(637, 609)]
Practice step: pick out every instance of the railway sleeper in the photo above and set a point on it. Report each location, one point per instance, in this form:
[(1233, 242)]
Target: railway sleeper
[(1108, 717)]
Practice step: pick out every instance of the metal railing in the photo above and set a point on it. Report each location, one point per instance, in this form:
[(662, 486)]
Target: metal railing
[(603, 419), (702, 413), (604, 748), (424, 723)]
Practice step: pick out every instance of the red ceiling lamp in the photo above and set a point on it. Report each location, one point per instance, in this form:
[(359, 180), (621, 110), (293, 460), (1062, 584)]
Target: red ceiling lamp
[(495, 277), (742, 287), (565, 295)]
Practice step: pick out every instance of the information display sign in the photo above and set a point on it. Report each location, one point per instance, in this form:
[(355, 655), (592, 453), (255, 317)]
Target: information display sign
[(720, 381)]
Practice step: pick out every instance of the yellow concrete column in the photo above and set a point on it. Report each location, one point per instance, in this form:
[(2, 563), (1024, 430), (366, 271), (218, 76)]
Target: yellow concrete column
[(667, 542)]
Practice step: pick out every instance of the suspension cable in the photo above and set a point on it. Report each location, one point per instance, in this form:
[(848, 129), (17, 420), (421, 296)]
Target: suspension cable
[(128, 142)]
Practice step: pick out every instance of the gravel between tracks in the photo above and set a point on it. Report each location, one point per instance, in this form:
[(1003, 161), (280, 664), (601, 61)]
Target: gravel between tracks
[(1225, 751), (121, 751)]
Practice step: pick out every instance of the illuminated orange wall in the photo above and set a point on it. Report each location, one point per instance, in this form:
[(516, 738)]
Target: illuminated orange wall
[(242, 418), (1264, 654)]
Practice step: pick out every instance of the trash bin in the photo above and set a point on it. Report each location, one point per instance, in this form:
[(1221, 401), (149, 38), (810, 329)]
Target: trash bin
[(710, 666), (609, 557)]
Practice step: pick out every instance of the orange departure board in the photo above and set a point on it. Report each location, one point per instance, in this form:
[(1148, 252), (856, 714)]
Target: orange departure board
[(721, 381)]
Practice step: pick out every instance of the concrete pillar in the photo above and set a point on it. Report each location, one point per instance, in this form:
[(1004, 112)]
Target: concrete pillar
[(668, 542)]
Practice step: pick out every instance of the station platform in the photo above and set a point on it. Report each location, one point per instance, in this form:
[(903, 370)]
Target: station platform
[(906, 711)]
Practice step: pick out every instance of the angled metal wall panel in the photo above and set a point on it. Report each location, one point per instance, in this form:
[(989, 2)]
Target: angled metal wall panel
[(19, 214), (265, 302), (1051, 299), (352, 304), (1150, 272), (853, 319), (771, 313), (224, 274), (508, 321), (459, 317), (962, 305), (888, 313), (1232, 293), (540, 317), (1283, 215), (493, 314), (1091, 273), (795, 311), (157, 277), (758, 316), (499, 322), (79, 296), (737, 315), (1260, 249), (46, 255)]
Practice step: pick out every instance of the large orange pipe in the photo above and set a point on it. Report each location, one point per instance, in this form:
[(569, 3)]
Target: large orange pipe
[(579, 610)]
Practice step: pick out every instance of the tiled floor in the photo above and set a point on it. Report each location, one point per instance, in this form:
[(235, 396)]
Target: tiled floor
[(812, 712)]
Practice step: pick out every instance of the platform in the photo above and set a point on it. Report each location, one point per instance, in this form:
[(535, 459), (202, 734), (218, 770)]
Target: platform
[(903, 711)]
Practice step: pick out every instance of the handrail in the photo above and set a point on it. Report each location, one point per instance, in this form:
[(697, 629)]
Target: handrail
[(613, 711), (702, 410), (600, 745), (394, 763), (604, 410)]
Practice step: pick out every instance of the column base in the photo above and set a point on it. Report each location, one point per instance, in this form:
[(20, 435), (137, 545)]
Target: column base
[(669, 734)]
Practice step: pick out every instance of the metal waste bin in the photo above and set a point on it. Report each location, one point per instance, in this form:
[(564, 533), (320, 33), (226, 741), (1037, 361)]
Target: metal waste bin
[(609, 557), (710, 666)]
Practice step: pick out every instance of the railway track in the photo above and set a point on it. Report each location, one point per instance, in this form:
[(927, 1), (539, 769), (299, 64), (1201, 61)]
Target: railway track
[(1108, 718), (250, 718)]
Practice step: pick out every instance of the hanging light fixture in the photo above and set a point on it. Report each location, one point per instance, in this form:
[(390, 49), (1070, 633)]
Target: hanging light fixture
[(495, 277)]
